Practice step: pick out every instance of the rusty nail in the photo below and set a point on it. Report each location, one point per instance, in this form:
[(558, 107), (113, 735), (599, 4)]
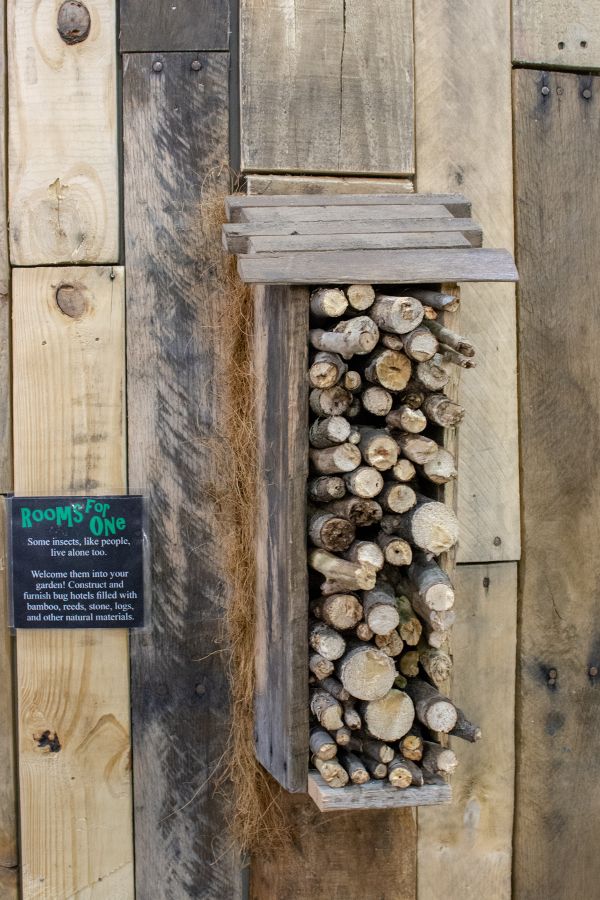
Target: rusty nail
[(586, 94), (196, 65), (545, 90), (157, 66)]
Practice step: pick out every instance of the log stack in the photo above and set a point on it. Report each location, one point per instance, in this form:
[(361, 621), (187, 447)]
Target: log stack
[(381, 605)]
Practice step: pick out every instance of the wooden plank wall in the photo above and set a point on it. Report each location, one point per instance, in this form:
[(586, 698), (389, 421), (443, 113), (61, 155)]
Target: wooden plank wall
[(175, 136)]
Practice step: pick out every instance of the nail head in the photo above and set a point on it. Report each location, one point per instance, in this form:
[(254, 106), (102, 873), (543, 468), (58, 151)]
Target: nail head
[(545, 90), (587, 94), (196, 65), (157, 66)]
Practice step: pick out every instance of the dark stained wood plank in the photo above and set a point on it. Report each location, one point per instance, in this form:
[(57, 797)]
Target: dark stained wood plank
[(457, 204), (281, 694), (376, 795), (178, 25), (558, 766), (378, 266), (175, 132)]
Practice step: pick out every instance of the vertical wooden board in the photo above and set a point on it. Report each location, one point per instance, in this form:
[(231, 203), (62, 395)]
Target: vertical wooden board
[(340, 855), (465, 848), (63, 169), (327, 88), (558, 195), (180, 25), (556, 33), (69, 437), (298, 184), (281, 691), (463, 130), (175, 135)]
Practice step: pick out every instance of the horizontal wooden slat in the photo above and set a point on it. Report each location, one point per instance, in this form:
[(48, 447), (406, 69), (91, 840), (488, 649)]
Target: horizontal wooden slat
[(405, 240), (556, 33), (380, 266), (324, 213), (324, 184), (235, 235), (251, 201), (375, 795)]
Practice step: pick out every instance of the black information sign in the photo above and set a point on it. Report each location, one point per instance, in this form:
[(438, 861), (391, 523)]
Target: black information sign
[(77, 562)]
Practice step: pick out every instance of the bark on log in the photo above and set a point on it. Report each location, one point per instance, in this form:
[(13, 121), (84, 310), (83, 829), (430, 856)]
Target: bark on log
[(360, 296), (390, 717), (465, 729), (435, 299), (456, 359), (377, 769), (407, 419), (321, 744), (391, 341), (396, 550), (431, 583), (333, 401), (364, 482), (380, 612), (442, 468), (416, 772), (399, 774), (328, 303), (343, 736), (378, 750), (326, 710), (451, 339), (329, 431), (366, 551), (403, 471), (335, 688), (331, 771), (440, 410), (391, 643), (378, 449), (420, 344), (377, 400), (397, 314), (326, 370), (390, 369), (414, 394), (351, 716), (433, 709), (327, 642), (344, 575), (354, 767), (410, 627), (350, 337), (438, 760), (429, 525), (366, 672), (432, 374), (417, 448), (363, 632), (330, 532), (436, 664), (362, 512), (339, 611), (333, 460), (326, 488), (397, 497), (411, 746), (319, 666)]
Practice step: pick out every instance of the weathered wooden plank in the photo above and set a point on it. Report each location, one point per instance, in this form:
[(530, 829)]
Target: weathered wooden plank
[(375, 795), (477, 158), (558, 194), (378, 266), (184, 25), (458, 204), (69, 437), (177, 122), (297, 184), (465, 850), (402, 241), (556, 33), (281, 691), (323, 213), (63, 188), (340, 80)]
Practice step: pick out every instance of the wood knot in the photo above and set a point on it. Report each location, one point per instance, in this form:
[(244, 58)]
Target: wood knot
[(73, 21), (71, 299), (49, 741)]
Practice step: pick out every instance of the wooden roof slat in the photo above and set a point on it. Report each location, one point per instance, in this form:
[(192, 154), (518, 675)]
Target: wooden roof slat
[(346, 213), (237, 202), (321, 242), (376, 795)]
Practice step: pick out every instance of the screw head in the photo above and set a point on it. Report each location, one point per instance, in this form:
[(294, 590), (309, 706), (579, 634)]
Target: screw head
[(586, 94), (545, 90), (497, 541), (196, 65), (157, 66)]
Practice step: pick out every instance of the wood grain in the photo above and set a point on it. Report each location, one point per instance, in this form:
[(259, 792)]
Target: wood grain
[(557, 192), (472, 87), (323, 213), (378, 266), (394, 241), (182, 25), (556, 33), (464, 850), (281, 692), (69, 437), (314, 207), (376, 795), (327, 88), (172, 125), (298, 184), (63, 168)]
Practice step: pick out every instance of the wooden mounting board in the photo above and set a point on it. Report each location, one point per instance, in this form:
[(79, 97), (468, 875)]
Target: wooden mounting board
[(376, 795), (457, 204)]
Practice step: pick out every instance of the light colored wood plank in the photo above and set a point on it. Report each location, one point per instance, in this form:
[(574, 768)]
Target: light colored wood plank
[(69, 437), (327, 88), (297, 184), (281, 689), (378, 266), (557, 33), (63, 169), (375, 795), (558, 194), (324, 213), (464, 850), (402, 241), (463, 76)]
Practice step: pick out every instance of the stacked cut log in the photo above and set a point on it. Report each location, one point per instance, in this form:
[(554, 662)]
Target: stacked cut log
[(381, 605)]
